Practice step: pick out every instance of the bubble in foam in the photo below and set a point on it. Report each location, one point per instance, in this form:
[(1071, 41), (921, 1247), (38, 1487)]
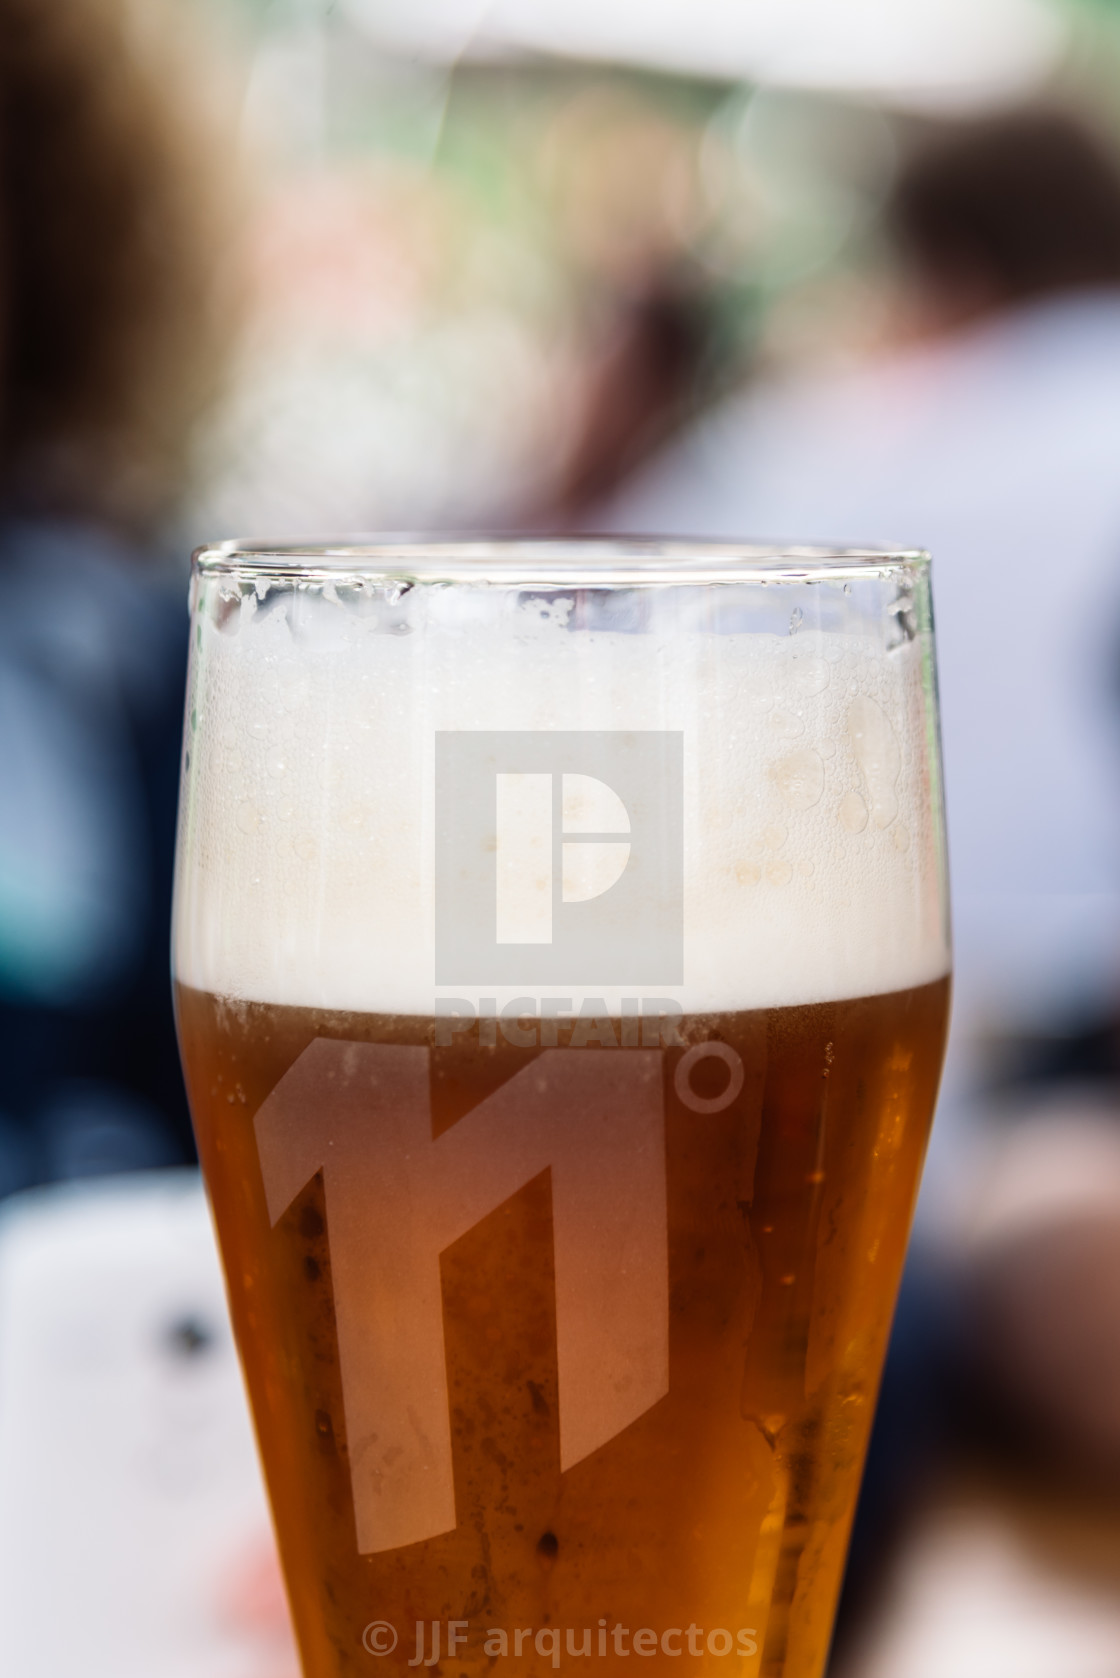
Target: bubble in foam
[(294, 694), (810, 675), (799, 778), (852, 813), (787, 725)]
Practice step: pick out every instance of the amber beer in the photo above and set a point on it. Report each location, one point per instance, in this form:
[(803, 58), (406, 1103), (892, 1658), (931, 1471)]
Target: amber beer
[(727, 1505), (562, 1302)]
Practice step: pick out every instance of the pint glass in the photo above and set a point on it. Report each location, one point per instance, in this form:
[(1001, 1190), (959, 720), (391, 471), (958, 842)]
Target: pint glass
[(561, 957)]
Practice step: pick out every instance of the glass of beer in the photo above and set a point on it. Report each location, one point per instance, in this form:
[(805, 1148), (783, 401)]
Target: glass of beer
[(561, 953)]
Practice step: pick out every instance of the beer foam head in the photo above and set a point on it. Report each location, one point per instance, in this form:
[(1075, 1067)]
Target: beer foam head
[(811, 859)]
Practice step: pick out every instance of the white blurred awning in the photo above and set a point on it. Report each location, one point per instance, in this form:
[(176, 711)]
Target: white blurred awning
[(924, 52)]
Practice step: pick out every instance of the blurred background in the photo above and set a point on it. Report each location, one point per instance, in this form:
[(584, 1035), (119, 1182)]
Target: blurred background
[(833, 269)]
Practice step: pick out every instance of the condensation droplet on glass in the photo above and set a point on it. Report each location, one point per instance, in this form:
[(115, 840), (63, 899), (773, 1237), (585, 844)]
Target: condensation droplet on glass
[(875, 748), (796, 618)]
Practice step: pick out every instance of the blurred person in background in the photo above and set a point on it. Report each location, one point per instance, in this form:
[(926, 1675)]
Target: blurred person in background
[(109, 353), (987, 430), (644, 384)]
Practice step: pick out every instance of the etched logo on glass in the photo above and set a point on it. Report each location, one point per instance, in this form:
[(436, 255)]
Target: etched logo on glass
[(397, 1197)]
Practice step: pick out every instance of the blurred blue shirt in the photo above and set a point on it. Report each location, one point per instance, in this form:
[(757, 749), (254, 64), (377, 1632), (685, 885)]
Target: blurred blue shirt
[(92, 654), (998, 450)]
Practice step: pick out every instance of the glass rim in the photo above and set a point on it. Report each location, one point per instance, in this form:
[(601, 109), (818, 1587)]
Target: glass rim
[(561, 561)]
